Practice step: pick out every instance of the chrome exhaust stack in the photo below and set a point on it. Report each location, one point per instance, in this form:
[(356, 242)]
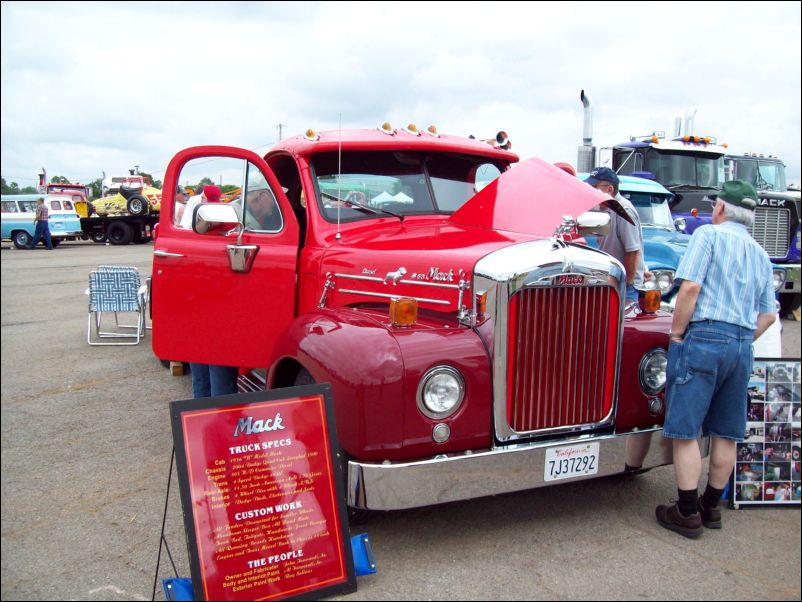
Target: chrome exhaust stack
[(586, 155)]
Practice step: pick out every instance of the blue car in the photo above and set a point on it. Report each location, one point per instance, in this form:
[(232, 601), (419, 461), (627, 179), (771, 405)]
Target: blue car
[(664, 241), (19, 211)]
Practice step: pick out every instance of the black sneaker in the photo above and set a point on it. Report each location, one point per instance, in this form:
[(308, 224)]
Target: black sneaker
[(669, 516), (711, 518)]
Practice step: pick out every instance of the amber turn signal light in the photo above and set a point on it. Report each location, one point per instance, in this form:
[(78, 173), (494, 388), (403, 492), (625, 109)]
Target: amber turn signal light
[(481, 303), (649, 300), (403, 311)]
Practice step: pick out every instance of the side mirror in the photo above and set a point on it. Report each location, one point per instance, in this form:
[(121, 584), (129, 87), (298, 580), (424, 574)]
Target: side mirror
[(680, 224), (209, 216), (593, 222)]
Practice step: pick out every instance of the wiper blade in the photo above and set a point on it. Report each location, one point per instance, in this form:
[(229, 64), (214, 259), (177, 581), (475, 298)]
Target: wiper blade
[(361, 207)]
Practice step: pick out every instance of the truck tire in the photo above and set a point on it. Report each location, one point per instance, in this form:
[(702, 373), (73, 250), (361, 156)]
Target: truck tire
[(138, 205), (21, 239), (789, 303), (356, 516), (120, 233), (98, 236)]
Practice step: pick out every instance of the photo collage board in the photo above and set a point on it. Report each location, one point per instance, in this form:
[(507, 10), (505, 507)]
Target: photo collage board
[(767, 468)]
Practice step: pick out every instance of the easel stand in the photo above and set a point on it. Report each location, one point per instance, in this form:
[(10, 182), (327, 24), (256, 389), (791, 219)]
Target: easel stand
[(162, 540)]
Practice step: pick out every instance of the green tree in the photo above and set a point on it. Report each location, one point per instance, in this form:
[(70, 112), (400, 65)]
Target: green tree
[(12, 188), (59, 180), (95, 188), (203, 182)]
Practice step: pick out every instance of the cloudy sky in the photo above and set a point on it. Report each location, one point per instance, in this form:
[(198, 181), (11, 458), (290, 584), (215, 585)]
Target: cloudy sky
[(94, 87)]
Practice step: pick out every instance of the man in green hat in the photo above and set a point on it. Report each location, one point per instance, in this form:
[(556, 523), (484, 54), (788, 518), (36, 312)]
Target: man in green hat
[(726, 300)]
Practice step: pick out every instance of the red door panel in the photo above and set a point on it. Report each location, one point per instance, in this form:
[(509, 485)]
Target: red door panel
[(204, 311)]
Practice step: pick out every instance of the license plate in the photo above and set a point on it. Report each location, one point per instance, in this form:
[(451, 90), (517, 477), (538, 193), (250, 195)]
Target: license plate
[(571, 461)]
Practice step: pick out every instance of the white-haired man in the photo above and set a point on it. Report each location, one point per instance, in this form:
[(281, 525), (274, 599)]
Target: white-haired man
[(726, 300)]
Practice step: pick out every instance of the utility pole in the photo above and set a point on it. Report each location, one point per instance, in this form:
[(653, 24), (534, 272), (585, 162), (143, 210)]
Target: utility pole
[(280, 127)]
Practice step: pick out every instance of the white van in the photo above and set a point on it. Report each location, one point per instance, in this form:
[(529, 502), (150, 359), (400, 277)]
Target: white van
[(19, 210)]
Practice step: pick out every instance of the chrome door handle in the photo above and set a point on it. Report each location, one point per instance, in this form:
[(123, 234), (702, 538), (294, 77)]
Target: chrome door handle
[(160, 253)]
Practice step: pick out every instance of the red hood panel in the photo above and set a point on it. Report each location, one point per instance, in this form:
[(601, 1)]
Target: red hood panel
[(530, 198)]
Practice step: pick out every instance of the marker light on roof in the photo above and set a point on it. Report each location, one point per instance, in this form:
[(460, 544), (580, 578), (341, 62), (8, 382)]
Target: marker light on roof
[(311, 135), (432, 131), (503, 141), (412, 129), (387, 128)]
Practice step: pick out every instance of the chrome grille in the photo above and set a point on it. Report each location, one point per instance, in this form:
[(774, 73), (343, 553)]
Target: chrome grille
[(771, 230), (562, 356)]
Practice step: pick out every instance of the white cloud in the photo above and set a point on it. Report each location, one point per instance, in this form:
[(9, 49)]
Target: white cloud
[(90, 86)]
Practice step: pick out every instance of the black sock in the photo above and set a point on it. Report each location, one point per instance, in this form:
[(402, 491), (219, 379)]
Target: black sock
[(687, 502), (711, 496)]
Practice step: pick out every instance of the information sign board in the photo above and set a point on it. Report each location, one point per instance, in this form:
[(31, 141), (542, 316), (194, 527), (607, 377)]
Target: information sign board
[(262, 495)]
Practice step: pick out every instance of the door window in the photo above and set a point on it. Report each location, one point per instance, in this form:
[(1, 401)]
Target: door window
[(261, 210)]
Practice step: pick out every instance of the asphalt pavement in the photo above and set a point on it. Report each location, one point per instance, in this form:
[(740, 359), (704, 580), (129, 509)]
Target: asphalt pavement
[(86, 445)]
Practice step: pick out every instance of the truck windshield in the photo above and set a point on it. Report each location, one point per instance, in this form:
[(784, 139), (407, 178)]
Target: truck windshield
[(652, 209), (675, 170), (402, 183), (763, 175)]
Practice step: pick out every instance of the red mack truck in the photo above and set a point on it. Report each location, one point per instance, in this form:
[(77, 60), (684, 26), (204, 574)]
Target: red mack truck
[(473, 344)]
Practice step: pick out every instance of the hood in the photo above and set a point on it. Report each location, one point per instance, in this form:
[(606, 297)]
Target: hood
[(422, 258), (531, 198), (663, 249)]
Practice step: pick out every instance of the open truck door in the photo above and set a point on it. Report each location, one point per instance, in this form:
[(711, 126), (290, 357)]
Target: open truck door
[(234, 268)]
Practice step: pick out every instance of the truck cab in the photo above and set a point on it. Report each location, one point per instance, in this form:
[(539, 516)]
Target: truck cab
[(690, 167), (474, 344)]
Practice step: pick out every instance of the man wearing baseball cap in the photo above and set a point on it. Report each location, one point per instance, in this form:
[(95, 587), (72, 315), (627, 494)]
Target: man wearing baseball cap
[(726, 300), (210, 194), (625, 240)]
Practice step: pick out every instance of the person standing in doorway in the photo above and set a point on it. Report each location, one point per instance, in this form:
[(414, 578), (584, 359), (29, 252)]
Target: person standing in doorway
[(42, 221)]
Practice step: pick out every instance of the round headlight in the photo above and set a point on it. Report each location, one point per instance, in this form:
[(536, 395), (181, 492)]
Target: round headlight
[(652, 372), (779, 278), (440, 392), (665, 280)]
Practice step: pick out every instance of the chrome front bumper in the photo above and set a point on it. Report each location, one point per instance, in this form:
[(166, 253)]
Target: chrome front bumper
[(450, 478)]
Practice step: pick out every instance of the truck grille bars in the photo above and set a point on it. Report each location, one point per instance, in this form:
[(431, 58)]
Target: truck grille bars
[(562, 349), (771, 231)]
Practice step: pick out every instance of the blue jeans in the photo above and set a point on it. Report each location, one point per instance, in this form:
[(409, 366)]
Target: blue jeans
[(210, 380), (42, 231), (632, 293), (707, 379)]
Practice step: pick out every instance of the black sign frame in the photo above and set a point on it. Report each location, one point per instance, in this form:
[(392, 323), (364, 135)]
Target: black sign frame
[(177, 408)]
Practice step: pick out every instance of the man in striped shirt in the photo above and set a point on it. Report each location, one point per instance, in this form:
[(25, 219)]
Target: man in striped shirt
[(726, 300), (42, 221)]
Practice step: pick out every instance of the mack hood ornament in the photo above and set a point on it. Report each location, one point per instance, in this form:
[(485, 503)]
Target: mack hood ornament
[(508, 202)]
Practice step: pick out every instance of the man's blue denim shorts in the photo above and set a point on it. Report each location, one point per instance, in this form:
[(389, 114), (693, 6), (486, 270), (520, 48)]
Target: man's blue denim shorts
[(707, 378)]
